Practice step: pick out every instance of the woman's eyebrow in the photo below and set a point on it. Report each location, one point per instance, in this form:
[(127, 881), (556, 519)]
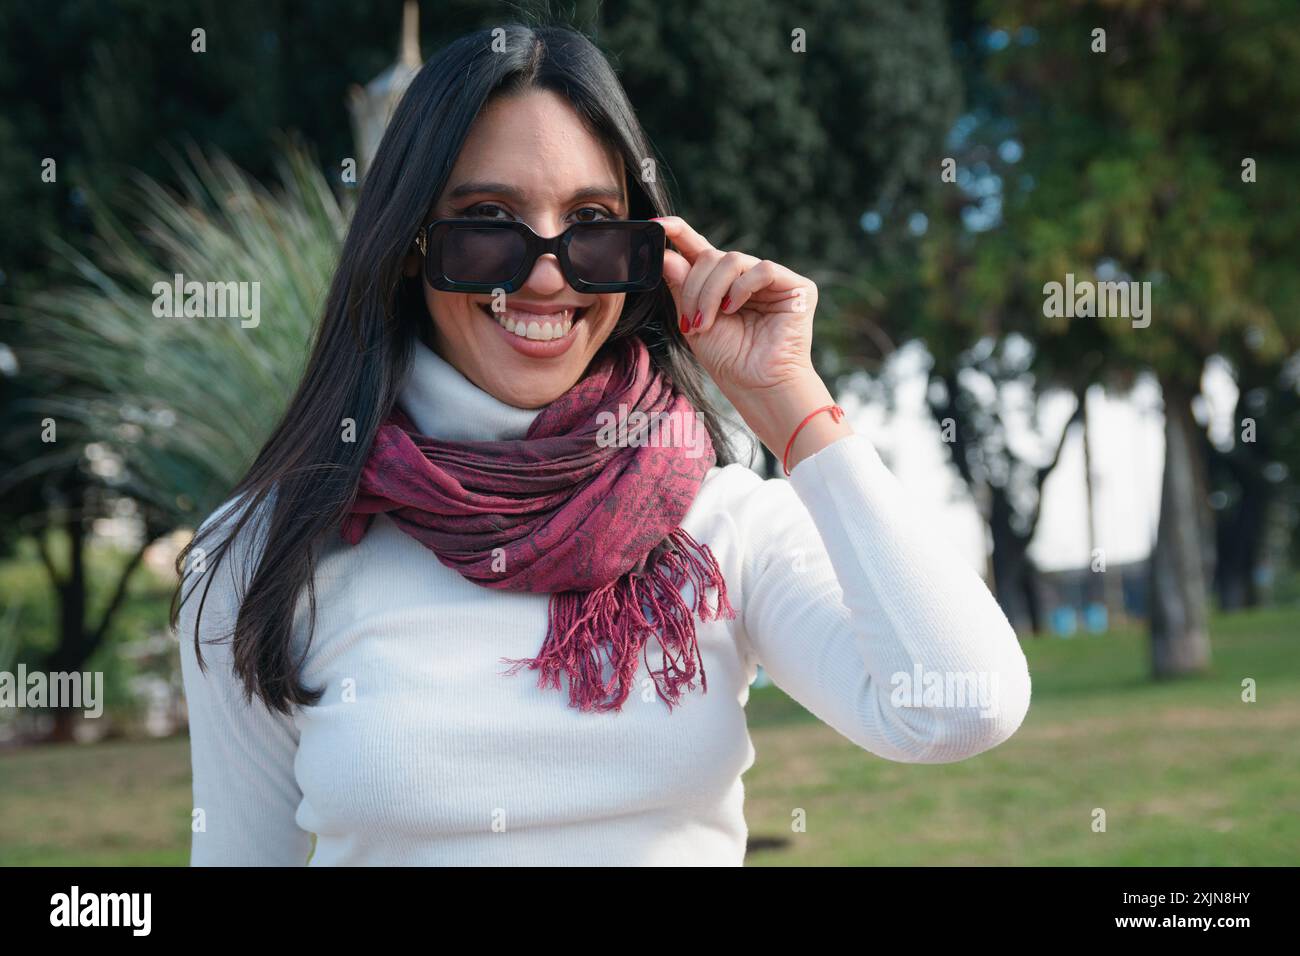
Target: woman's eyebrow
[(612, 193)]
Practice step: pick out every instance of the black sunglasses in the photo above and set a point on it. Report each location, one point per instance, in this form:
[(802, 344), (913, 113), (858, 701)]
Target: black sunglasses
[(484, 255)]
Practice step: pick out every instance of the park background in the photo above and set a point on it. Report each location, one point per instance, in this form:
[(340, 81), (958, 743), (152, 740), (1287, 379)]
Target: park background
[(1130, 493)]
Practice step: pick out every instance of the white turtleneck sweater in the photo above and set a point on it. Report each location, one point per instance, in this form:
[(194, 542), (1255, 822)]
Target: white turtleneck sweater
[(422, 752)]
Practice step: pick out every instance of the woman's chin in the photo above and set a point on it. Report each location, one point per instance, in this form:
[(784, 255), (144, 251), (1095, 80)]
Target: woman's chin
[(526, 381)]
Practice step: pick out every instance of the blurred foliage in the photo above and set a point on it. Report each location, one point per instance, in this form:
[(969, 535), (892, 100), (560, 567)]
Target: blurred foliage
[(784, 151), (185, 402), (780, 153), (1120, 165), (1136, 158), (105, 86), (1126, 163)]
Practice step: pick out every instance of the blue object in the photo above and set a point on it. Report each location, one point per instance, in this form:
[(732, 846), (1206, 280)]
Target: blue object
[(1065, 621)]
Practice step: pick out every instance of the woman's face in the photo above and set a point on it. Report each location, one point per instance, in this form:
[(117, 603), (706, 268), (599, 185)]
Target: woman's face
[(528, 157)]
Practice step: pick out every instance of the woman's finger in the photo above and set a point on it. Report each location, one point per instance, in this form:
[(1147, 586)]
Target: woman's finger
[(688, 242), (776, 278), (717, 287), (676, 269), (702, 268)]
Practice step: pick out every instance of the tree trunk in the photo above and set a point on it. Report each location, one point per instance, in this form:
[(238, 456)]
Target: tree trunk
[(78, 639), (1030, 581), (1180, 638), (72, 652), (1012, 572), (1240, 537)]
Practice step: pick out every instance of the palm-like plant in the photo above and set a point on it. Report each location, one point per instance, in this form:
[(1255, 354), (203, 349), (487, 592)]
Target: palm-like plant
[(164, 412), (184, 403)]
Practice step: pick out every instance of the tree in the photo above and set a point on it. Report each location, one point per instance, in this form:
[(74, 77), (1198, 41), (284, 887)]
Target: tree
[(971, 402), (777, 147), (1138, 139), (51, 491), (1252, 476), (944, 272)]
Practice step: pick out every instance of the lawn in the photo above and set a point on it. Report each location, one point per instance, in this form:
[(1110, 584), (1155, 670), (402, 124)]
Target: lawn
[(1186, 773)]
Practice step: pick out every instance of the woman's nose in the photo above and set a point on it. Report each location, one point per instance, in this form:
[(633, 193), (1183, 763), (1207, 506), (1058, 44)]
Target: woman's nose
[(546, 277)]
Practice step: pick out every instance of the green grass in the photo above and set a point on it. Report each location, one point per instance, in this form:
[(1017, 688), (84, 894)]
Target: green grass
[(119, 803), (1187, 773)]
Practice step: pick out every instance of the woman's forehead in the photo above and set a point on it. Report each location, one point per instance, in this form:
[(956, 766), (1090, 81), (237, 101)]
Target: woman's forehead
[(536, 144)]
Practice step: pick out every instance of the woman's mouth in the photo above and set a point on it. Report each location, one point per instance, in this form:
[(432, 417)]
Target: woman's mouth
[(536, 334), (531, 325)]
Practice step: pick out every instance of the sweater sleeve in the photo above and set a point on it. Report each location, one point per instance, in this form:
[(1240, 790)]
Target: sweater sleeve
[(858, 608), (241, 752)]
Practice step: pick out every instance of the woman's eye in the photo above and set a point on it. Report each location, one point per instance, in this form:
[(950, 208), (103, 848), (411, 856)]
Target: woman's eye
[(484, 210), (596, 212)]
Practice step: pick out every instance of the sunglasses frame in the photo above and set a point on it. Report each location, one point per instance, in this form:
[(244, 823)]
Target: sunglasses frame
[(536, 246)]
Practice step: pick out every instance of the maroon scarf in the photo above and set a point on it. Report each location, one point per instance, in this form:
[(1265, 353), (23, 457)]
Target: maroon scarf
[(566, 512)]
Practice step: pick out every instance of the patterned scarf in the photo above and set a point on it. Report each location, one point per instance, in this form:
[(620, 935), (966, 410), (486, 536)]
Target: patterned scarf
[(585, 507)]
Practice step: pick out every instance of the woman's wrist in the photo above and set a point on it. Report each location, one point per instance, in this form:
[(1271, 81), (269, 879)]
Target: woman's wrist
[(774, 413)]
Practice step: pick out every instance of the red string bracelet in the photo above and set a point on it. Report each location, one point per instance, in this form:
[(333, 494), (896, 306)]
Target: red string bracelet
[(837, 413)]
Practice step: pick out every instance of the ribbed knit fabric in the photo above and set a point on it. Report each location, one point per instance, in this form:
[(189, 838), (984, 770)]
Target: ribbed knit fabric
[(421, 752)]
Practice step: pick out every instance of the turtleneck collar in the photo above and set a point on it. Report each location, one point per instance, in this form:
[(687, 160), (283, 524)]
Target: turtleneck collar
[(444, 404)]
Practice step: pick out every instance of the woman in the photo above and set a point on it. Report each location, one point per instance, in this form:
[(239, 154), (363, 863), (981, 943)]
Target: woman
[(468, 606)]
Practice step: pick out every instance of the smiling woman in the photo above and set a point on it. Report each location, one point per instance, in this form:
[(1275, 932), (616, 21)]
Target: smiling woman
[(505, 293), (528, 158)]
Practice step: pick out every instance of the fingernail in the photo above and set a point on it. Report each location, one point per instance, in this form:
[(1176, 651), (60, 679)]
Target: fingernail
[(686, 325), (699, 317), (725, 303)]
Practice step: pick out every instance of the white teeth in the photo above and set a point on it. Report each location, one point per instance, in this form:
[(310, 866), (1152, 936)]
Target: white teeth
[(538, 328)]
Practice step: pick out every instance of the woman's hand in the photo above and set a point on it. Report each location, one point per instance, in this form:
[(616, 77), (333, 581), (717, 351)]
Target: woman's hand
[(748, 320), (749, 323)]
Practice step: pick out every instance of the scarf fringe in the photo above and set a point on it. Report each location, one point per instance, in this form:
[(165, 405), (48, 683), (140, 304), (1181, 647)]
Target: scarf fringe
[(610, 625)]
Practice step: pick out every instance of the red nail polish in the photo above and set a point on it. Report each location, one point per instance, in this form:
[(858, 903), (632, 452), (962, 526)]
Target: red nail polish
[(726, 303), (699, 317), (685, 326)]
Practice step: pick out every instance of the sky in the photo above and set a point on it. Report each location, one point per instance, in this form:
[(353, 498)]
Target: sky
[(1128, 455)]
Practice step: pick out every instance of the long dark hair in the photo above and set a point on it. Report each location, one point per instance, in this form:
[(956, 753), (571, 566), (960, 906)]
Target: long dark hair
[(303, 480)]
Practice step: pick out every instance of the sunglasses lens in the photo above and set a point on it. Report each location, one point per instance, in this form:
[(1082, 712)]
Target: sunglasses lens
[(614, 252), (619, 255), (481, 254)]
